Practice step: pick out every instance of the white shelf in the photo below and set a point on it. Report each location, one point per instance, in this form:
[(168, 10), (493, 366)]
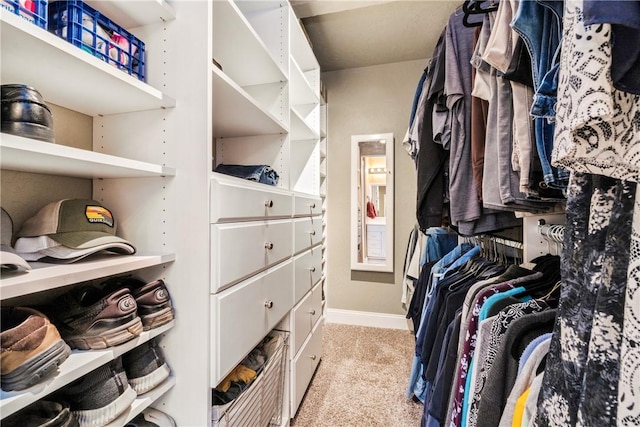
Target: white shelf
[(251, 65), (248, 7), (143, 401), (300, 130), (29, 155), (68, 76), (301, 90), (236, 113), (131, 14), (80, 363), (300, 48), (44, 276)]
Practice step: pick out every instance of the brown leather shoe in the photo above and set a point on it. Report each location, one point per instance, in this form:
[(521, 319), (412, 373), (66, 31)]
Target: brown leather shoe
[(31, 348)]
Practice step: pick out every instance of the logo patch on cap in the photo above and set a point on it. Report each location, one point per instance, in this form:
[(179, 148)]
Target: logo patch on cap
[(99, 214)]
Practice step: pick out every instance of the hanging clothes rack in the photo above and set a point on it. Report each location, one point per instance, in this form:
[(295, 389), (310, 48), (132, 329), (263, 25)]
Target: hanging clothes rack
[(552, 233)]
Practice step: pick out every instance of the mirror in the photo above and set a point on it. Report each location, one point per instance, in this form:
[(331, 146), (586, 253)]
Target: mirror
[(372, 202)]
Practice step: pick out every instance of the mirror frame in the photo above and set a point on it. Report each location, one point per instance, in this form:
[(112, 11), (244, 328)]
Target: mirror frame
[(387, 266)]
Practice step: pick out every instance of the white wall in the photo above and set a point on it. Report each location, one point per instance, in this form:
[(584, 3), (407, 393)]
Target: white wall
[(367, 100)]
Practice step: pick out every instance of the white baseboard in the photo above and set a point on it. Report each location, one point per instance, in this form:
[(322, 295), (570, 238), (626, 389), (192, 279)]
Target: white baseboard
[(365, 318)]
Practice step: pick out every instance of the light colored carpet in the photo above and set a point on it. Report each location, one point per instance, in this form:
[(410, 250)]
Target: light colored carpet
[(361, 380)]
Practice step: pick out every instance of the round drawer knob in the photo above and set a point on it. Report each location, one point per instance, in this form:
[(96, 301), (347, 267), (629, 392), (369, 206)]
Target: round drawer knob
[(268, 245), (313, 357), (312, 269), (268, 304), (268, 203), (312, 205), (313, 233), (312, 312)]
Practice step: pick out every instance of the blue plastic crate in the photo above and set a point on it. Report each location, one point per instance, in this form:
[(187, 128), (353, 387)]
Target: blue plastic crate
[(88, 29), (34, 11)]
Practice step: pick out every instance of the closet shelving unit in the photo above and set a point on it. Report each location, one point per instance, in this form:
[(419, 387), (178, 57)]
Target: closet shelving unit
[(323, 186), (68, 77), (150, 160), (267, 113)]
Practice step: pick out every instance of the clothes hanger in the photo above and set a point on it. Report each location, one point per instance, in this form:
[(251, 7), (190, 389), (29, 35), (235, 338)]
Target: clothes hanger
[(552, 291), (473, 7)]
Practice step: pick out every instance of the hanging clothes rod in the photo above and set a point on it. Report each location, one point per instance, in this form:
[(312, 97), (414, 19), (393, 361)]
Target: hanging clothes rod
[(553, 232), (507, 242)]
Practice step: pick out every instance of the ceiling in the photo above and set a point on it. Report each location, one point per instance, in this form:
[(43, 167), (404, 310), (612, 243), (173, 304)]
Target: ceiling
[(350, 34)]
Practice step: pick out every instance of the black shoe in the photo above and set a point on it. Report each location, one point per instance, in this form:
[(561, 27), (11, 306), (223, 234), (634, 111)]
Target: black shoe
[(42, 414), (151, 417), (153, 299), (88, 317), (24, 113), (100, 396), (145, 366)]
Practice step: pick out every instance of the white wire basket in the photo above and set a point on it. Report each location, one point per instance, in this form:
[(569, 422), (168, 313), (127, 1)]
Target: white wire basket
[(260, 404)]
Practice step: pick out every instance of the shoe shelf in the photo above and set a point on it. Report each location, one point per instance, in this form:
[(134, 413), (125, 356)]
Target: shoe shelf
[(143, 401), (67, 76), (29, 155), (78, 364), (43, 276), (236, 113), (131, 14)]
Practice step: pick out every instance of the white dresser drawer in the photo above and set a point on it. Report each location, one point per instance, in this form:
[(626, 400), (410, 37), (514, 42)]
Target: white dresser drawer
[(306, 205), (307, 232), (304, 365), (239, 250), (305, 315), (308, 270), (242, 315), (233, 201)]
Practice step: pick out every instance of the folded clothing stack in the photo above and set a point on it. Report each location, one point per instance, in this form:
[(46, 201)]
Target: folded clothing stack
[(264, 174)]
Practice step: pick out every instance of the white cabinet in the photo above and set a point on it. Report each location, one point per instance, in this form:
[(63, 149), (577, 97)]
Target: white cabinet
[(308, 271), (305, 315), (243, 314), (266, 111), (376, 241), (246, 201), (307, 232), (228, 82), (241, 249), (304, 365)]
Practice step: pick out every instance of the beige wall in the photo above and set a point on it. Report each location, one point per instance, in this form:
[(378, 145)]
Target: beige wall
[(22, 194), (367, 100)]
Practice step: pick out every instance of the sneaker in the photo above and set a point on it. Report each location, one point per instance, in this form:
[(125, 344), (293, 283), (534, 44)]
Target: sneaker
[(32, 348), (42, 414), (89, 318), (152, 418), (101, 396), (145, 366), (153, 300)]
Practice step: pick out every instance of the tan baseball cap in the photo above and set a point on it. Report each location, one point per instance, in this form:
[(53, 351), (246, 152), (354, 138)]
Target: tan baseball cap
[(77, 224)]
